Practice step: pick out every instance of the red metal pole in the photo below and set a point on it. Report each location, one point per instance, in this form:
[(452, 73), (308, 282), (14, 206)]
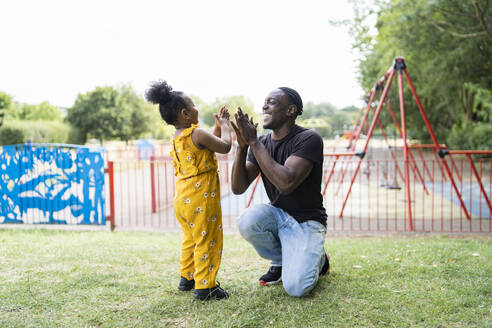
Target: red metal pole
[(391, 150), (453, 165), (405, 147), (253, 191), (438, 148), (482, 189), (227, 170), (423, 162), (439, 164), (111, 217), (352, 146), (364, 119), (339, 154), (165, 184), (376, 115), (329, 175), (471, 152), (415, 168), (355, 127), (152, 184)]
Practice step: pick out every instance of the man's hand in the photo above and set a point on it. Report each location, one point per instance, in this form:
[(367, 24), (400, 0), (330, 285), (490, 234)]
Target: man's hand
[(239, 137), (245, 129)]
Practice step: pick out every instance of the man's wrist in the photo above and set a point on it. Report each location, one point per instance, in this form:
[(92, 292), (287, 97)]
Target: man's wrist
[(254, 143), (243, 148)]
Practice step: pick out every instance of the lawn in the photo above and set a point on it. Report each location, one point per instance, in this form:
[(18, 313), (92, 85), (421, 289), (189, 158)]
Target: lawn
[(128, 279)]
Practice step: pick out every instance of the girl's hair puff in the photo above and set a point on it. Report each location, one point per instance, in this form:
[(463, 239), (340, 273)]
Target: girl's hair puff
[(170, 102)]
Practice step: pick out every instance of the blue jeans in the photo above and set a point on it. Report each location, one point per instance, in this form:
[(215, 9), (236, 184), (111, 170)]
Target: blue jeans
[(297, 247)]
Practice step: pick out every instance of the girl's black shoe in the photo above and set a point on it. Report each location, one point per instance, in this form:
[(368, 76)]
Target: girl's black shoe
[(215, 293), (185, 284)]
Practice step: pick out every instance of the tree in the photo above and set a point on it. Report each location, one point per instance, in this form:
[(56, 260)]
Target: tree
[(5, 101), (326, 119), (207, 111), (109, 112), (139, 113), (464, 20), (42, 112), (446, 45), (11, 135), (97, 113), (321, 110), (318, 117), (321, 125)]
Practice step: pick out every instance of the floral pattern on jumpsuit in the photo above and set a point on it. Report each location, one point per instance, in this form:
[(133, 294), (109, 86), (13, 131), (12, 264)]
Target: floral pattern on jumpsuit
[(197, 209)]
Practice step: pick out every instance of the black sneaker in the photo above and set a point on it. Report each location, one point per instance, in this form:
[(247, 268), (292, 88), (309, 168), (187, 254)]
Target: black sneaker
[(273, 276), (185, 284), (326, 267), (216, 293)]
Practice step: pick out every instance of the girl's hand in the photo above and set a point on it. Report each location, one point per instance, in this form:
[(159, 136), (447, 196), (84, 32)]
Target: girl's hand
[(221, 141), (216, 132), (222, 118)]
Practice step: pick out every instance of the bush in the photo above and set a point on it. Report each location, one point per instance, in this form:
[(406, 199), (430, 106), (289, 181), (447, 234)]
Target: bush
[(481, 137), (76, 136), (40, 131), (457, 138), (473, 136), (11, 135), (163, 132), (321, 126)]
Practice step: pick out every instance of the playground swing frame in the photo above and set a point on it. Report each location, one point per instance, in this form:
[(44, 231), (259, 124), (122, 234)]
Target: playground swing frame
[(399, 67)]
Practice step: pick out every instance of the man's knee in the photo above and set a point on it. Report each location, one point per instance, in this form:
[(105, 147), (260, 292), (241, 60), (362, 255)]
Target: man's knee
[(248, 223), (299, 287)]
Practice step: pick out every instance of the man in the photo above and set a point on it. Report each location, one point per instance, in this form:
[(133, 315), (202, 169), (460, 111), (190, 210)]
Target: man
[(290, 231)]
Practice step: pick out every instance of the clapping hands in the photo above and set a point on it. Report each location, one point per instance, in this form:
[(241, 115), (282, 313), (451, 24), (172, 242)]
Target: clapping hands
[(223, 118), (245, 128)]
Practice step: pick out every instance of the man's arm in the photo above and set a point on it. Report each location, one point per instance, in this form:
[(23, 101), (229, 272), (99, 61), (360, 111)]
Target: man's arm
[(243, 172), (286, 178)]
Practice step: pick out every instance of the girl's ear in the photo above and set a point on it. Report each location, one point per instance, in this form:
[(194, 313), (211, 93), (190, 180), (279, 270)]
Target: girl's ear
[(184, 113)]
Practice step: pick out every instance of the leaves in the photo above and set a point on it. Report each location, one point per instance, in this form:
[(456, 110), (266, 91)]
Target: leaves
[(108, 113), (447, 48)]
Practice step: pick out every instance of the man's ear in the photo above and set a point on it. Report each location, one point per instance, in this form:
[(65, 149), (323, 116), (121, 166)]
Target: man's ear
[(292, 110)]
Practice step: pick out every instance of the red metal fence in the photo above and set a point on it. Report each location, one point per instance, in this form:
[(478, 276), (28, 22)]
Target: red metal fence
[(143, 194)]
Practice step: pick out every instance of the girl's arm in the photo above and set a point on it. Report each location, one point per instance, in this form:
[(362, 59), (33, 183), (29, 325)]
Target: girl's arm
[(217, 128), (222, 144)]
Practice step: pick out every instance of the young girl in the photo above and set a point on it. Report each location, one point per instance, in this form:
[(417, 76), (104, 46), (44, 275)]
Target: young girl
[(197, 198)]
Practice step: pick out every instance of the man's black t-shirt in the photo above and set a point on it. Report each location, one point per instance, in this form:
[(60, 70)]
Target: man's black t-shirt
[(305, 202)]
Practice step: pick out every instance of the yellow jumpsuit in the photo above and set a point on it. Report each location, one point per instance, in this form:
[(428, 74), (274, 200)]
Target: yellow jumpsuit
[(197, 209)]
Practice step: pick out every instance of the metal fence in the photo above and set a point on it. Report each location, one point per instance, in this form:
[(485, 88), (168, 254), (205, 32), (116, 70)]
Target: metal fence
[(143, 191)]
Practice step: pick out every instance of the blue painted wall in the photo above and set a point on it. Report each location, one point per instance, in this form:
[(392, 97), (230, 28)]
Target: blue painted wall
[(51, 183)]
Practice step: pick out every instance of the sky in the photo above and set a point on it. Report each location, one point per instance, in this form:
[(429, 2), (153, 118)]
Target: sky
[(53, 50)]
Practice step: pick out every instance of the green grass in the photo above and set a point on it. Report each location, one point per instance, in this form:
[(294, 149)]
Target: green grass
[(123, 279)]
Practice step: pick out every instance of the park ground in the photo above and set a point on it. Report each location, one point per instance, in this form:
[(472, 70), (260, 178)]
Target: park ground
[(51, 278)]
